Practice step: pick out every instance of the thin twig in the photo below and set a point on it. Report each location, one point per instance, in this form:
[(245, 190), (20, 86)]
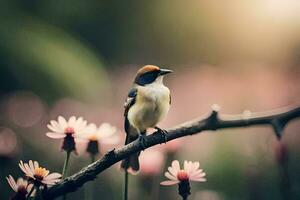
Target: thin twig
[(126, 182), (276, 119)]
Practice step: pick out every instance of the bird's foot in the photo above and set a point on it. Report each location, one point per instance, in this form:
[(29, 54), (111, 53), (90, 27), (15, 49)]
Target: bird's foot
[(142, 140), (163, 133)]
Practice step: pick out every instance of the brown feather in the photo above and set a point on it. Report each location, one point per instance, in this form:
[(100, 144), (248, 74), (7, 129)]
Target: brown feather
[(147, 68)]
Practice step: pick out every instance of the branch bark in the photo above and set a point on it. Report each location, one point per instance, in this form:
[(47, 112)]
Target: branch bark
[(213, 121)]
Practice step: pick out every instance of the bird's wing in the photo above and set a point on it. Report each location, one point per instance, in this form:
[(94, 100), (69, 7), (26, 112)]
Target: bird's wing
[(128, 103), (130, 100)]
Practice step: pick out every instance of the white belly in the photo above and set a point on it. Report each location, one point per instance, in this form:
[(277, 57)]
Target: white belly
[(151, 106)]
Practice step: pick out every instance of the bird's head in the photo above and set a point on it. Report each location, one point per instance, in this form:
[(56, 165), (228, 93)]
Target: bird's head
[(150, 74)]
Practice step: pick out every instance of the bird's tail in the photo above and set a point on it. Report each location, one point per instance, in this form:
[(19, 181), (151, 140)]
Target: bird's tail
[(131, 164)]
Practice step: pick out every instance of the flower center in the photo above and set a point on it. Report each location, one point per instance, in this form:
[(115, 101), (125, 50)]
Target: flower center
[(182, 176), (93, 138), (40, 173), (69, 131)]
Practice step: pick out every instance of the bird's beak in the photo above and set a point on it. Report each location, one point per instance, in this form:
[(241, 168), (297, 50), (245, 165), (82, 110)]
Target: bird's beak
[(164, 72)]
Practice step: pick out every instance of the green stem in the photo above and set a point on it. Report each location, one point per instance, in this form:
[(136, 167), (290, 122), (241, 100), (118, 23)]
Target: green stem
[(125, 192), (66, 163), (64, 172)]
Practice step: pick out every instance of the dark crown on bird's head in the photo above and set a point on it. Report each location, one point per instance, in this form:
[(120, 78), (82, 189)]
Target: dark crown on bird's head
[(149, 73)]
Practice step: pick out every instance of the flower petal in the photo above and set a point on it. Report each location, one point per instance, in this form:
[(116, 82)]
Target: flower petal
[(79, 139), (25, 168), (72, 121), (201, 175), (198, 179), (21, 181), (47, 182), (185, 166), (36, 164), (80, 125), (52, 176), (196, 173), (31, 165), (55, 135), (111, 140), (29, 172), (173, 171), (193, 166), (106, 130), (62, 122), (166, 183), (176, 166), (90, 129), (21, 165), (55, 127), (196, 166), (11, 181), (190, 167), (171, 177)]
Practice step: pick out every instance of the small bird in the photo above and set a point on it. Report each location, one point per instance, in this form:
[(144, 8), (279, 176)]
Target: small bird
[(148, 102)]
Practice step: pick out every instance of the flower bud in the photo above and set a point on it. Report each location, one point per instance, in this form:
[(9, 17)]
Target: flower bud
[(69, 144), (93, 147), (184, 189)]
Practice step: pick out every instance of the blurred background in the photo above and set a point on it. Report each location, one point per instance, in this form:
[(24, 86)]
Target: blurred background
[(77, 57)]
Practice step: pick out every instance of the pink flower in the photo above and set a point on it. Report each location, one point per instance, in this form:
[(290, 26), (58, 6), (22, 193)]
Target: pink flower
[(105, 133), (39, 175), (92, 137), (63, 128), (69, 130), (190, 172), (21, 187)]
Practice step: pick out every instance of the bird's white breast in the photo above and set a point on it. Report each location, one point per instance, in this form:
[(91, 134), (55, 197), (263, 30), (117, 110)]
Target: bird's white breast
[(151, 106)]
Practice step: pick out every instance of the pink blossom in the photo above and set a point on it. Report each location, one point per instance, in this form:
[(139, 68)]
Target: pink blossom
[(105, 133), (92, 137), (63, 128), (190, 172), (39, 174), (22, 187)]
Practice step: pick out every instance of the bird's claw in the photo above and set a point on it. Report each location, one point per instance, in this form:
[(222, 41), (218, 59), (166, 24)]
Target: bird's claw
[(142, 140), (163, 133)]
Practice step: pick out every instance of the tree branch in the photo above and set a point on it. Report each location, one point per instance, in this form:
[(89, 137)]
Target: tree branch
[(277, 119)]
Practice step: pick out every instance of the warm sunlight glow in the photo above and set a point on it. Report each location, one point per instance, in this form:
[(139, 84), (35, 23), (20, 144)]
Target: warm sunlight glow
[(282, 9)]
